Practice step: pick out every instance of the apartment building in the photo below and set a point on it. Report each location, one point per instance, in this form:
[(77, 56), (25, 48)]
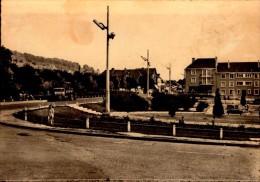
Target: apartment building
[(232, 78), (200, 76)]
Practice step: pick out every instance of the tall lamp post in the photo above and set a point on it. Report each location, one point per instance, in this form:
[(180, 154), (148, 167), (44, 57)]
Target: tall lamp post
[(170, 71), (148, 64), (109, 36)]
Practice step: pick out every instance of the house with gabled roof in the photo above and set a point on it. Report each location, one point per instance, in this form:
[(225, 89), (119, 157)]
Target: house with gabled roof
[(133, 78)]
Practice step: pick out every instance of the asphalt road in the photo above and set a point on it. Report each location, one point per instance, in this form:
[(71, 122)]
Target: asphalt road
[(22, 104), (40, 155)]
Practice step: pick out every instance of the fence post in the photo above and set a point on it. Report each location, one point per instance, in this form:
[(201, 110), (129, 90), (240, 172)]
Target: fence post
[(25, 113), (87, 123), (221, 133), (128, 126), (174, 130)]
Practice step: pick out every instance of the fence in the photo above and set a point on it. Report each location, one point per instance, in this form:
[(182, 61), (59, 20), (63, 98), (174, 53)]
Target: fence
[(152, 129)]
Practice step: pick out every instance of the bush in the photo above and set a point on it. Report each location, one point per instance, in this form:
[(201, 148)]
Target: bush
[(164, 102), (256, 101), (172, 111), (201, 106), (127, 101)]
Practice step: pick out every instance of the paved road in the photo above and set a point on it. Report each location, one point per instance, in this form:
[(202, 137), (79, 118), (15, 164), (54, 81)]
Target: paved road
[(38, 155), (22, 104)]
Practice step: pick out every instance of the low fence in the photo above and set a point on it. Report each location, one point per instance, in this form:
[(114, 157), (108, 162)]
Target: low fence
[(167, 130)]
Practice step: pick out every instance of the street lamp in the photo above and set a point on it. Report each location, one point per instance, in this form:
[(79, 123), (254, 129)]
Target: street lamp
[(148, 64), (109, 36), (170, 69)]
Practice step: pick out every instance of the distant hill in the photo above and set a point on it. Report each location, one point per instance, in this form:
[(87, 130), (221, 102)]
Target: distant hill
[(38, 62)]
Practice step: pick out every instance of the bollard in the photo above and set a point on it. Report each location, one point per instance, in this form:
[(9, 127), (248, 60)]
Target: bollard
[(128, 126), (174, 130), (25, 113), (221, 133), (87, 123)]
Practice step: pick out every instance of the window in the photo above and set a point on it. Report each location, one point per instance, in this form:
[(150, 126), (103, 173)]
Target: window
[(231, 83), (239, 83), (239, 75), (249, 91), (238, 91), (222, 92), (193, 80), (256, 75), (231, 91), (223, 84), (248, 75), (193, 72), (248, 83), (256, 91), (231, 75), (204, 72), (223, 75), (256, 83)]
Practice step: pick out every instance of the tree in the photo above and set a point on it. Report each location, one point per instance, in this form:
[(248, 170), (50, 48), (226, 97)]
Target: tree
[(218, 109), (243, 98)]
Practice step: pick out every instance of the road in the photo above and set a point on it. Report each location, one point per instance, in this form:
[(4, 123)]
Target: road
[(40, 155), (22, 104)]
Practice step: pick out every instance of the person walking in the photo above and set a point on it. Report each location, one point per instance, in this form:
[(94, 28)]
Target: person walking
[(51, 115)]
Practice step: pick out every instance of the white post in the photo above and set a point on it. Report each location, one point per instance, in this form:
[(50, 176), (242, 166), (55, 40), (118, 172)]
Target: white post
[(221, 133), (87, 123), (174, 130), (25, 113), (128, 126)]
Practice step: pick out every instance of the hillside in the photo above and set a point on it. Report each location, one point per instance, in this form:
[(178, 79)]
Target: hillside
[(38, 62)]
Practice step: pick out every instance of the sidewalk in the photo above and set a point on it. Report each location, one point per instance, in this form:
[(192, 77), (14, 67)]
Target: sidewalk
[(6, 118)]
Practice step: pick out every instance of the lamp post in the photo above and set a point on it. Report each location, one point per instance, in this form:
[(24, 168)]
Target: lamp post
[(109, 36), (148, 64), (170, 69)]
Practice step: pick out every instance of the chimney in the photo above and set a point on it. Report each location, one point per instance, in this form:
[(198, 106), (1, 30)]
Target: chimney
[(193, 59), (228, 64), (216, 62)]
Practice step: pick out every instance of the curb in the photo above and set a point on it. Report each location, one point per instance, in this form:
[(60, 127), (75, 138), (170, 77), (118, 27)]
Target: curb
[(96, 133)]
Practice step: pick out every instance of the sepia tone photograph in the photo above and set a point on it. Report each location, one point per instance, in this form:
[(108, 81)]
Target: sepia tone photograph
[(130, 90)]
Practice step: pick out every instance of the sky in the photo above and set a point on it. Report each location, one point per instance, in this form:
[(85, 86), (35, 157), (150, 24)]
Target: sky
[(173, 31)]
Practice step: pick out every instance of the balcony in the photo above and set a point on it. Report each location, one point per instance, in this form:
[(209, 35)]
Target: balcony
[(206, 75), (206, 83)]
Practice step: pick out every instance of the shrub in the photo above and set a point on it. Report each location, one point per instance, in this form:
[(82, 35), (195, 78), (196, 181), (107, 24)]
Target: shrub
[(218, 109), (164, 102), (127, 101), (172, 111), (201, 106)]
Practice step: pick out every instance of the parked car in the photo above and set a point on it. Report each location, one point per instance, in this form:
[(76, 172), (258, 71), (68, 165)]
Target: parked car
[(234, 111), (256, 101)]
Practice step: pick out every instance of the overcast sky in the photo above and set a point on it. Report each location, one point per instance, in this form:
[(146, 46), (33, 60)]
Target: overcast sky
[(173, 31)]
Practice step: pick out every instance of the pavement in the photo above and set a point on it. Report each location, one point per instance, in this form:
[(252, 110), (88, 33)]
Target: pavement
[(7, 118)]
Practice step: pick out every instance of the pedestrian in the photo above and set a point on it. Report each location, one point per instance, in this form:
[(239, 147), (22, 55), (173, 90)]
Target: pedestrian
[(50, 115)]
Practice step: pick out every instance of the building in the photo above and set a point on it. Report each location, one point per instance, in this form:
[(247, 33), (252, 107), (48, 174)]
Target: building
[(204, 75), (233, 78), (129, 79), (200, 76)]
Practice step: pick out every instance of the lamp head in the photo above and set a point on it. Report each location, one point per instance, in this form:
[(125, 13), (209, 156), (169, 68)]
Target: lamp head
[(100, 25)]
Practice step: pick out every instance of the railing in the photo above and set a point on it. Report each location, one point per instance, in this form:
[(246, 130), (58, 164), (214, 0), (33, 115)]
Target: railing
[(178, 130)]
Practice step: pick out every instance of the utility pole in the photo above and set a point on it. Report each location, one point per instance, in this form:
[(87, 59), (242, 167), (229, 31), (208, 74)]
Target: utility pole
[(169, 68), (148, 64)]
